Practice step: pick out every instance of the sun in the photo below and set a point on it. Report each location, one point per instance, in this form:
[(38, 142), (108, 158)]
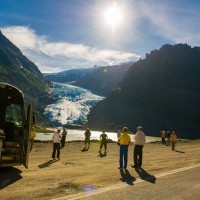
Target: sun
[(113, 16)]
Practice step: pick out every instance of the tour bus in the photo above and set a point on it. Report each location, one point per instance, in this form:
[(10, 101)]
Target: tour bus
[(15, 127)]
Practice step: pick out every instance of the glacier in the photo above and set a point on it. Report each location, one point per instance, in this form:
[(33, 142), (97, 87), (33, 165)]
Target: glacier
[(72, 104)]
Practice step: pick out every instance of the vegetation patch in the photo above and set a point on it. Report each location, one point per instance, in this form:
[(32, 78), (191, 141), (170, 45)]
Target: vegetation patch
[(69, 187)]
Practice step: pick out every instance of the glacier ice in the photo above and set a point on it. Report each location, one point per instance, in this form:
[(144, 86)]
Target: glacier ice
[(72, 104)]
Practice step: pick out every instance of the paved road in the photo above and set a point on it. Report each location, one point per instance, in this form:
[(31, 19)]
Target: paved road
[(183, 185)]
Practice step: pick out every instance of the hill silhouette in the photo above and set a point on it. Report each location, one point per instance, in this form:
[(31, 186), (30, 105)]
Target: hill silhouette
[(160, 92)]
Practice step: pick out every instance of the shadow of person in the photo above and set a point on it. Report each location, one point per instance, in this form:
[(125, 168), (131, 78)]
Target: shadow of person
[(102, 155), (47, 164), (8, 176), (126, 177), (84, 149), (179, 151), (144, 175)]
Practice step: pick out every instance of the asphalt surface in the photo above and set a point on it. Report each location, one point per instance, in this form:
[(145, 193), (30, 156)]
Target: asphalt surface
[(180, 185)]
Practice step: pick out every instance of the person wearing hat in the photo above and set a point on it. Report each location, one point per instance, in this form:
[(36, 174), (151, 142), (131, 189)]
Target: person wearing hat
[(124, 142), (139, 141)]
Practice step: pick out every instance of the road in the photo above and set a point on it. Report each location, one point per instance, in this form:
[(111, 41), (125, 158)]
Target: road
[(177, 185)]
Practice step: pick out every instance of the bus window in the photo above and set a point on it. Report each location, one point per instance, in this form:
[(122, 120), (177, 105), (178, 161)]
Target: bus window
[(14, 114)]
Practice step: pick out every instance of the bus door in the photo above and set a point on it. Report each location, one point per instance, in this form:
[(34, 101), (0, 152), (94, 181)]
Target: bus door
[(27, 135)]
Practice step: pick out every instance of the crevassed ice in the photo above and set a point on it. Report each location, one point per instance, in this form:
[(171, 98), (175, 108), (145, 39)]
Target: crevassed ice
[(72, 104)]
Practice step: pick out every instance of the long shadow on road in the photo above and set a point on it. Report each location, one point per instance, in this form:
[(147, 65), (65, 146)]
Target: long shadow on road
[(126, 177), (144, 175), (8, 176), (179, 151), (47, 164)]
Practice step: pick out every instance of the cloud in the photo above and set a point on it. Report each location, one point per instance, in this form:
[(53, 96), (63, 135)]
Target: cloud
[(59, 56)]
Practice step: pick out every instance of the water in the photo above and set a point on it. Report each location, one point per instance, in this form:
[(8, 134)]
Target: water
[(74, 135)]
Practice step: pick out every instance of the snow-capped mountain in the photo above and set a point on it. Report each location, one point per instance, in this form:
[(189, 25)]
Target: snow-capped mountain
[(72, 104)]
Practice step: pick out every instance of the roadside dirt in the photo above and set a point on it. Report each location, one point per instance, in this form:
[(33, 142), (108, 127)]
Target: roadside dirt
[(79, 171)]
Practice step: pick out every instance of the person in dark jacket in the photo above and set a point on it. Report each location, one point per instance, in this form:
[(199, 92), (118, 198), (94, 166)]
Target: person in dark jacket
[(87, 138), (63, 137), (103, 139)]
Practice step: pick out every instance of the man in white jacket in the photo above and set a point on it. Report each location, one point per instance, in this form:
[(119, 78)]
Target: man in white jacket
[(139, 141), (56, 144)]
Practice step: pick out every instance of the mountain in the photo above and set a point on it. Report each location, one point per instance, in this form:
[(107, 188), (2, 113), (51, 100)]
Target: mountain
[(160, 92), (100, 80), (103, 80), (69, 75), (18, 70)]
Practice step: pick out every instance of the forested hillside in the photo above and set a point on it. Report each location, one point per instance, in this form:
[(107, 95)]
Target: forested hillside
[(19, 71)]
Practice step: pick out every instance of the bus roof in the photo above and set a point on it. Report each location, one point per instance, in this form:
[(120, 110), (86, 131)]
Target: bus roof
[(3, 85)]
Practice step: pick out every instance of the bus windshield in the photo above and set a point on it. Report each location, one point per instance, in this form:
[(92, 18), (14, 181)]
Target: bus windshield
[(14, 114)]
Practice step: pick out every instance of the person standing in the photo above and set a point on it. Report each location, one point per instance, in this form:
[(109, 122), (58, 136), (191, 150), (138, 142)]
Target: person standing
[(63, 137), (87, 138), (168, 138), (119, 133), (103, 139), (124, 142), (56, 144), (163, 134), (139, 141), (173, 139)]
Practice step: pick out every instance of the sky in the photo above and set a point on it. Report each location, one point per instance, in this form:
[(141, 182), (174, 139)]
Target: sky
[(58, 35)]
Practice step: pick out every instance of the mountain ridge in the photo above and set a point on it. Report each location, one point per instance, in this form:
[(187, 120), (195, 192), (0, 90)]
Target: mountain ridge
[(69, 75), (159, 92), (101, 80), (104, 80)]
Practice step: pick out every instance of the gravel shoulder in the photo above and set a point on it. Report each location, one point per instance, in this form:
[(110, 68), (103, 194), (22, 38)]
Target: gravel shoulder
[(79, 171)]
